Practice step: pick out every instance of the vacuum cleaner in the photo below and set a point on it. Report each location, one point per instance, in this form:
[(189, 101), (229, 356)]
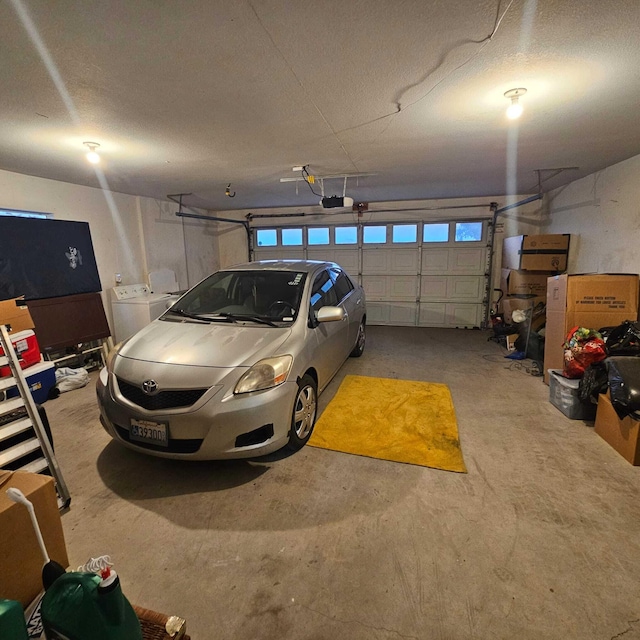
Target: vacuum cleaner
[(81, 605)]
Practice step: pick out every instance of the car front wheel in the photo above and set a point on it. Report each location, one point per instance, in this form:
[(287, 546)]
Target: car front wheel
[(304, 413)]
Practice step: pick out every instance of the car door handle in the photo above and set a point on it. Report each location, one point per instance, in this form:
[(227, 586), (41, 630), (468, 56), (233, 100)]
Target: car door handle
[(359, 300)]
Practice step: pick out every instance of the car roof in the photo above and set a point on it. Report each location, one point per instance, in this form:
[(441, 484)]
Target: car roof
[(299, 266)]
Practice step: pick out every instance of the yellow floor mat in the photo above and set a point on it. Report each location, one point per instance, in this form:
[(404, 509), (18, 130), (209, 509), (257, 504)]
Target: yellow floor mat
[(399, 420)]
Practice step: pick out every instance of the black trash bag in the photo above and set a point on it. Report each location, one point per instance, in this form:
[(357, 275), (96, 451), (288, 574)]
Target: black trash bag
[(594, 382), (624, 385), (623, 340)]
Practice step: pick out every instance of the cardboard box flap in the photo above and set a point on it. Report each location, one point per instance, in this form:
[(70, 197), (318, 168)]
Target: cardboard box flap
[(14, 312)]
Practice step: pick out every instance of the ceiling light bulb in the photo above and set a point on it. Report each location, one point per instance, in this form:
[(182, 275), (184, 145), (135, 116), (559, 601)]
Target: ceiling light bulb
[(514, 110), (92, 154)]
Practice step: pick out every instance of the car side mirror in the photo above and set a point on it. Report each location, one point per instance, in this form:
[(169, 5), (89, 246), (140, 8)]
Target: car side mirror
[(330, 314)]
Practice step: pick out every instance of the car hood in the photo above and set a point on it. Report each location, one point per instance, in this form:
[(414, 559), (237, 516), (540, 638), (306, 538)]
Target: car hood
[(218, 344)]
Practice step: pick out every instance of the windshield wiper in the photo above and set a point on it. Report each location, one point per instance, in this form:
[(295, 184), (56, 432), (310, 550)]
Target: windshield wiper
[(195, 316), (234, 317)]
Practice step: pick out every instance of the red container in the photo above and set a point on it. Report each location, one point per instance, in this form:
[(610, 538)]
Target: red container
[(27, 348)]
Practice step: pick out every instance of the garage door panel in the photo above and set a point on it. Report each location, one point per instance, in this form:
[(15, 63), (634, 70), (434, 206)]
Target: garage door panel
[(450, 314), (374, 261), (402, 261), (468, 288), (347, 259), (433, 287), (390, 287), (375, 287), (323, 254), (393, 313), (435, 261), (377, 312), (464, 315), (469, 261), (278, 254), (433, 314)]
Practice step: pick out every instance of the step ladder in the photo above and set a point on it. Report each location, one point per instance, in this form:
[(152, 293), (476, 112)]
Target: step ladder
[(24, 444)]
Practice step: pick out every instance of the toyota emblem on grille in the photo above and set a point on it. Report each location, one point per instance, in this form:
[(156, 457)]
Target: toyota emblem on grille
[(150, 387)]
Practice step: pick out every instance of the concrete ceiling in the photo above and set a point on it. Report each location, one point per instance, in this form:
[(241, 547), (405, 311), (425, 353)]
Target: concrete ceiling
[(191, 96)]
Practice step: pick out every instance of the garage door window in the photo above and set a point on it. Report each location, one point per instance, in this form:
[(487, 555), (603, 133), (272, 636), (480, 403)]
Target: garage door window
[(291, 237), (403, 233), (346, 235), (375, 235), (468, 231), (435, 233), (318, 235), (267, 237)]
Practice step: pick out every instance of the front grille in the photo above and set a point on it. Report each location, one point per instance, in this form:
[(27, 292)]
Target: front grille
[(175, 446), (162, 399)]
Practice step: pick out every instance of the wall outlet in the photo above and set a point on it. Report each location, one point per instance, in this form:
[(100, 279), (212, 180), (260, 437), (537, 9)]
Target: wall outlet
[(118, 278)]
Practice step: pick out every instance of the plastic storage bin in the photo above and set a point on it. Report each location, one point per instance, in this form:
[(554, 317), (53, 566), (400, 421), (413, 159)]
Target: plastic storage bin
[(40, 378), (563, 394)]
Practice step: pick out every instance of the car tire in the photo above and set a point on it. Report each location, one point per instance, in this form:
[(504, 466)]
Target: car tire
[(358, 350), (305, 409)]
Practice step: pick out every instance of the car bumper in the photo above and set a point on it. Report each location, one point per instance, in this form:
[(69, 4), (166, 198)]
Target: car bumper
[(217, 430)]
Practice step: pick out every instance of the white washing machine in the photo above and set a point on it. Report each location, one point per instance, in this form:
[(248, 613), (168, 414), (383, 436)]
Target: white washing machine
[(134, 307)]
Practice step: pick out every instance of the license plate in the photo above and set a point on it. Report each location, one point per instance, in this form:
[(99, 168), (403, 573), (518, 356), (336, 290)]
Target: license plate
[(150, 432)]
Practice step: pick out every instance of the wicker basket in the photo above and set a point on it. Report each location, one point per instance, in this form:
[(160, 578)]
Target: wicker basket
[(157, 626)]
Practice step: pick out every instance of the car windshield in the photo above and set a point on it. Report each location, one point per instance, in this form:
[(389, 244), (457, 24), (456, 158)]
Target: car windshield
[(252, 296)]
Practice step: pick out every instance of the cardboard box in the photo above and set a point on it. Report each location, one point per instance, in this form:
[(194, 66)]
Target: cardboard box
[(509, 305), (16, 314), (524, 283), (622, 435), (564, 395), (585, 300), (20, 557), (536, 252)]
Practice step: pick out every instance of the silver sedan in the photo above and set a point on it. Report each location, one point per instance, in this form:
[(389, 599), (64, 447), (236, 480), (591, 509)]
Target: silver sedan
[(234, 368)]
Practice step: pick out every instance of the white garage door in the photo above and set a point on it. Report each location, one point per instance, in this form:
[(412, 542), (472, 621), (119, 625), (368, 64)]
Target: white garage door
[(414, 273)]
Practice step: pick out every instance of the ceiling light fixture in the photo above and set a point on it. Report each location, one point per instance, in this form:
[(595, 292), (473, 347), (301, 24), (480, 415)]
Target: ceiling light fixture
[(92, 154), (514, 110)]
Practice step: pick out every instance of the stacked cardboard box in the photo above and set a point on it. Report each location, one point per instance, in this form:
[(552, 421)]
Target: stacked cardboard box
[(593, 301), (20, 557), (527, 263)]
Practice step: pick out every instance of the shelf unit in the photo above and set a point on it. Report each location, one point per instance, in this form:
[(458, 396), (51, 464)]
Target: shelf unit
[(24, 444)]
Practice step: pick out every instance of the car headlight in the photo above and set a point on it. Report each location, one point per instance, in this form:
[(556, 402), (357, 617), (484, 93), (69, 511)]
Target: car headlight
[(265, 374)]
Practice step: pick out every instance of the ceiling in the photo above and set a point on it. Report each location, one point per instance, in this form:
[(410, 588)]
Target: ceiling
[(188, 97)]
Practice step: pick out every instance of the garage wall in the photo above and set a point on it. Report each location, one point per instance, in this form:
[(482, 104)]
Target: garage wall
[(602, 211), (131, 235)]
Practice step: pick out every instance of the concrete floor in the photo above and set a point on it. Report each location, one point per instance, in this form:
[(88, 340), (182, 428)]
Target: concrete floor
[(541, 539)]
